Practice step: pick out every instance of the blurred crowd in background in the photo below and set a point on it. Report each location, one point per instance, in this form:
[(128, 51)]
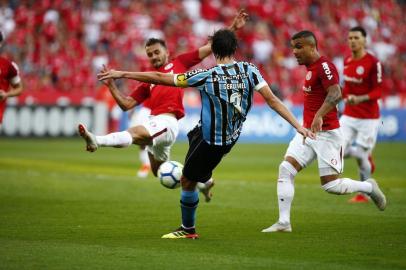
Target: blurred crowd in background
[(60, 45)]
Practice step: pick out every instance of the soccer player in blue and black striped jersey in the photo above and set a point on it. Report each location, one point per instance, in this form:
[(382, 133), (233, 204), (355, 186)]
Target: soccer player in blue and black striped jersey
[(227, 92)]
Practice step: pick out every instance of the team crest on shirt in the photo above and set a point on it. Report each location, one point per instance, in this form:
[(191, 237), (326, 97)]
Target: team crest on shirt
[(360, 70), (308, 75), (168, 66)]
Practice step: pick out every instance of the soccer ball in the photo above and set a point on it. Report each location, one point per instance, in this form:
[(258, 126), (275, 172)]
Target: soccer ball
[(169, 174)]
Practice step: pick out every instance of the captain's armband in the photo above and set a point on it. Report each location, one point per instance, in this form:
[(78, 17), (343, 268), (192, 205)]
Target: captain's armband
[(180, 80)]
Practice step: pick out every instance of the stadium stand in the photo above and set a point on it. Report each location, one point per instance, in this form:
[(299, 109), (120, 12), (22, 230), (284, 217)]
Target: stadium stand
[(59, 45)]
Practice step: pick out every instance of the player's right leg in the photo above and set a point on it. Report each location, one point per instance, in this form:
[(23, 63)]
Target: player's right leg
[(90, 138), (297, 156), (137, 135), (200, 162)]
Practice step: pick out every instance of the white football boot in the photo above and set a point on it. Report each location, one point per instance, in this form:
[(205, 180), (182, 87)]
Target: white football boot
[(377, 195), (279, 227), (90, 138)]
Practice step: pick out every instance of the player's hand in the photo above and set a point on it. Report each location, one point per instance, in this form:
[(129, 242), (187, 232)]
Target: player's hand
[(316, 124), (3, 95), (108, 82), (353, 99), (239, 20), (306, 133), (105, 74)]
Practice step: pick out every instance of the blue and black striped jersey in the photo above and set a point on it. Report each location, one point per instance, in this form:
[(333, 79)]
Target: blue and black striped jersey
[(227, 95)]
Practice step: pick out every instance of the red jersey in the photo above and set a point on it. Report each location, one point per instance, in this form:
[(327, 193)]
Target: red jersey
[(167, 99), (320, 75), (363, 77), (8, 75)]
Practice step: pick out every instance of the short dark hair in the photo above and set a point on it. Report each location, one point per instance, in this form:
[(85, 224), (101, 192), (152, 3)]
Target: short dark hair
[(224, 43), (153, 41), (305, 34), (359, 29)]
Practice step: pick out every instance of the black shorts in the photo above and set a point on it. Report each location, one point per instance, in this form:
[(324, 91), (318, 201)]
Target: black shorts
[(202, 158)]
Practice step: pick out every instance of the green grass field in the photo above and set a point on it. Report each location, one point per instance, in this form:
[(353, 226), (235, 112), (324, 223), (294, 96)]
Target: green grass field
[(64, 208)]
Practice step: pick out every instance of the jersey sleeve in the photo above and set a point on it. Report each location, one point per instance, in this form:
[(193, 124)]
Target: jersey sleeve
[(256, 78), (13, 74), (189, 59), (141, 93), (328, 74), (194, 78), (376, 80)]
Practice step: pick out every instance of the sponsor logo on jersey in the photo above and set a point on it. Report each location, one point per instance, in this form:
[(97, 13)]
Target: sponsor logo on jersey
[(307, 89), (360, 70), (168, 66), (334, 161), (327, 70), (352, 79), (308, 75)]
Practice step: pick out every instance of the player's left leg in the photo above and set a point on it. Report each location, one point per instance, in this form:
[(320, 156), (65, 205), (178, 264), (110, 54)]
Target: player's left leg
[(367, 132), (329, 157)]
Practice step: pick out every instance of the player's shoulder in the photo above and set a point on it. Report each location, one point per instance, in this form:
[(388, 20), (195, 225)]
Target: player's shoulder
[(247, 65), (325, 65), (194, 72), (347, 59), (371, 57), (4, 60)]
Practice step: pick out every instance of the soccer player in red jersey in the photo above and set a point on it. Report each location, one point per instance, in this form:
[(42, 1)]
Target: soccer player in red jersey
[(321, 94), (160, 131), (10, 81), (362, 89)]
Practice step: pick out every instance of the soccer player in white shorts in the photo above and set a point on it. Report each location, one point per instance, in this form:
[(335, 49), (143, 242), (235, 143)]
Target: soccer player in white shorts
[(362, 89), (321, 95)]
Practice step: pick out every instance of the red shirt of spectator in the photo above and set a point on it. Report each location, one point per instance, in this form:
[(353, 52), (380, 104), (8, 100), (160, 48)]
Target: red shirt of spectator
[(363, 77), (167, 99), (320, 75)]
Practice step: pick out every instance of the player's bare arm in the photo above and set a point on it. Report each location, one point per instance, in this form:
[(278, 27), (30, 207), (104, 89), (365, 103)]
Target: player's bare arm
[(14, 90), (125, 102), (333, 97), (239, 21), (354, 99), (147, 77), (276, 104)]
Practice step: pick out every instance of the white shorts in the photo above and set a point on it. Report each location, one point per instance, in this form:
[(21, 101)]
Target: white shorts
[(164, 130), (327, 148), (139, 116), (362, 132)]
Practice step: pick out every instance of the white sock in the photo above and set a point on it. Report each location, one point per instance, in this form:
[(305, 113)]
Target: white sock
[(346, 186), (363, 163), (116, 139), (285, 190), (144, 158)]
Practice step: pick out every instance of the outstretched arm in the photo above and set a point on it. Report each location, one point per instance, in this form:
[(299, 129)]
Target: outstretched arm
[(239, 21), (147, 77), (330, 102), (276, 104), (125, 102)]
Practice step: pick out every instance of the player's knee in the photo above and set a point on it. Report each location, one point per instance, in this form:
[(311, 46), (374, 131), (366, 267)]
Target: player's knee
[(286, 170), (334, 187)]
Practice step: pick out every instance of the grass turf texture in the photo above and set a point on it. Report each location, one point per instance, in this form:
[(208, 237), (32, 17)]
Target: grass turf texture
[(64, 208)]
